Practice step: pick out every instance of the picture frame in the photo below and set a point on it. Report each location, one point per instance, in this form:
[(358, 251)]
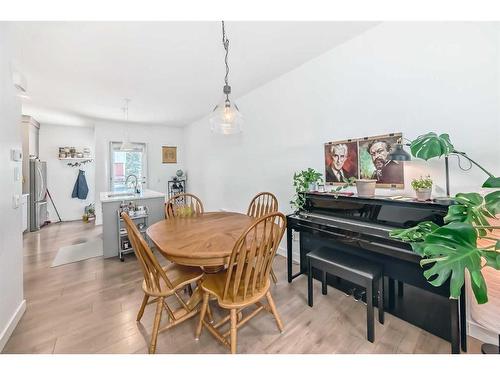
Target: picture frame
[(169, 154), (364, 158)]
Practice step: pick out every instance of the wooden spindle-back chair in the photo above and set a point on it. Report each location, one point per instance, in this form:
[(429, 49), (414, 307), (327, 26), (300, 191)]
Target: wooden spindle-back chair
[(160, 283), (262, 204), (183, 205), (246, 280)]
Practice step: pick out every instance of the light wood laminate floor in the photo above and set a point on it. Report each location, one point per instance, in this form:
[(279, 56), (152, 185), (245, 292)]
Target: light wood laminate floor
[(90, 307)]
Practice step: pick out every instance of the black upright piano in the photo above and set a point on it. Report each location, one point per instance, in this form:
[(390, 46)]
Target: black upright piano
[(361, 226)]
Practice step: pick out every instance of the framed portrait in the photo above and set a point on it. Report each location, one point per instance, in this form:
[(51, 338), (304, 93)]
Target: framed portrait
[(169, 154), (341, 161), (375, 164)]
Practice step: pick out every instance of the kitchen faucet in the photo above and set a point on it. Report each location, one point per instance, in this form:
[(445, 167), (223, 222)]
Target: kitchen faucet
[(136, 189)]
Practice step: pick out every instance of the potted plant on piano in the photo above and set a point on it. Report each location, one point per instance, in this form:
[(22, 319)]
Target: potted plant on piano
[(470, 237), (422, 187), (303, 182)]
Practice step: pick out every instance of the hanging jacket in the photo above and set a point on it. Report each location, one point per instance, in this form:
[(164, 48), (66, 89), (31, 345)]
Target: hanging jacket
[(80, 190)]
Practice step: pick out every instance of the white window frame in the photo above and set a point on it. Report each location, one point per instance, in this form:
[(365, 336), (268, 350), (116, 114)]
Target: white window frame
[(114, 146)]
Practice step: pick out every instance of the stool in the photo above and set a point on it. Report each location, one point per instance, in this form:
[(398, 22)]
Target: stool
[(354, 269)]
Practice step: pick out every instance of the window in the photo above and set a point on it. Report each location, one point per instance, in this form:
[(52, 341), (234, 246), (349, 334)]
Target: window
[(126, 163)]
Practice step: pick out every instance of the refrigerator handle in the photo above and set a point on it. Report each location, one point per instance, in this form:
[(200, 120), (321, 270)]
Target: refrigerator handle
[(42, 183)]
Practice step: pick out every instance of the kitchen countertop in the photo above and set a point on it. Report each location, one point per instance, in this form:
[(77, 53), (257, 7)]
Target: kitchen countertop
[(145, 194)]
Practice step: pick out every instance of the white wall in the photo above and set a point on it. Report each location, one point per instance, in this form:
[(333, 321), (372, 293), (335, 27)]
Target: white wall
[(12, 304), (409, 77), (61, 177), (154, 136)]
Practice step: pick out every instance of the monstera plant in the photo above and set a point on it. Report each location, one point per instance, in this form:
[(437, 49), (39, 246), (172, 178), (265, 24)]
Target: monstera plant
[(448, 251)]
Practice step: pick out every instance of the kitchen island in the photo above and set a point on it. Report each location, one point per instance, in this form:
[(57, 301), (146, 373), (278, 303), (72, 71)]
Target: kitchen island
[(110, 202)]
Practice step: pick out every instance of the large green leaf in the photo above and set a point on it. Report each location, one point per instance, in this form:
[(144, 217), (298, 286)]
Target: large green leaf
[(492, 202), (452, 249), (416, 233), (492, 182), (431, 145), (492, 258), (470, 209)]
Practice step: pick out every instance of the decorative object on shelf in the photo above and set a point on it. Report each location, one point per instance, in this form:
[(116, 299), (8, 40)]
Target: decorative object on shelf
[(366, 159), (176, 187), (303, 181), (226, 118), (366, 187), (169, 154), (180, 174), (422, 187), (126, 144)]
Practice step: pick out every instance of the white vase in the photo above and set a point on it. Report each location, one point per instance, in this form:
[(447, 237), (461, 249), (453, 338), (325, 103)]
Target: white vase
[(312, 186), (423, 194), (366, 188)]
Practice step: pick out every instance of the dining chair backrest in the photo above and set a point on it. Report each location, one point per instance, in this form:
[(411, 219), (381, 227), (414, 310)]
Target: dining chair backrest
[(183, 205), (262, 204), (252, 257), (151, 269)]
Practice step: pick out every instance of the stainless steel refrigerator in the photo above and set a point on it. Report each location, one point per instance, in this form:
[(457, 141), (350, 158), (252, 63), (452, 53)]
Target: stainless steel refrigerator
[(38, 194)]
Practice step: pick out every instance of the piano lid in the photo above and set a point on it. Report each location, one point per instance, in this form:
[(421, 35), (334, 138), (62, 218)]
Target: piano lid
[(377, 210)]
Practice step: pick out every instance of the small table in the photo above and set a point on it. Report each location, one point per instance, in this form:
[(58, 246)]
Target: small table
[(205, 240)]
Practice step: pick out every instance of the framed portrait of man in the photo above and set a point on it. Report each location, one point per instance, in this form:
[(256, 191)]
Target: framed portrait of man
[(374, 160), (341, 161)]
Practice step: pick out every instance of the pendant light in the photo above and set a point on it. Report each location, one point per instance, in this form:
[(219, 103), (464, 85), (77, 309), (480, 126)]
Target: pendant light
[(226, 118), (126, 144)]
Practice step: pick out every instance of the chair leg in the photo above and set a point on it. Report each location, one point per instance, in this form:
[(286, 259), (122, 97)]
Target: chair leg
[(204, 307), (156, 325), (324, 286), (309, 285), (270, 301), (381, 299), (234, 321), (273, 276), (370, 325), (209, 312), (143, 306)]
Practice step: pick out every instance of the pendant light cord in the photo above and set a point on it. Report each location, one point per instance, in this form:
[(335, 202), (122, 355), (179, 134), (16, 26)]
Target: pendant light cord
[(225, 43)]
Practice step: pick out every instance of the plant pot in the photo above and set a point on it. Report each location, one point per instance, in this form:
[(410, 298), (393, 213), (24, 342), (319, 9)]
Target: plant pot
[(366, 188), (423, 194), (312, 186)]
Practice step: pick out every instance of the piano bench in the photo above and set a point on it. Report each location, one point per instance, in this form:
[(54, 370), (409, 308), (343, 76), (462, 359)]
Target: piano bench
[(352, 268)]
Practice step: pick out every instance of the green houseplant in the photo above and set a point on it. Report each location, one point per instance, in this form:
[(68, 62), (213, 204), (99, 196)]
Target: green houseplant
[(422, 187), (302, 182), (448, 251)]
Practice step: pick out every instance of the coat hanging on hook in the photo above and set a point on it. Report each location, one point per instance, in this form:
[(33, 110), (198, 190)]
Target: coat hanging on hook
[(80, 190)]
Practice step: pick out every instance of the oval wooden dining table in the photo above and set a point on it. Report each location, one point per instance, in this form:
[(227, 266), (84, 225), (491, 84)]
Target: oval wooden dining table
[(205, 240)]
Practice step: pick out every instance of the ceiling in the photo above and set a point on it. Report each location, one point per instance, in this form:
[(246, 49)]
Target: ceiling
[(173, 72)]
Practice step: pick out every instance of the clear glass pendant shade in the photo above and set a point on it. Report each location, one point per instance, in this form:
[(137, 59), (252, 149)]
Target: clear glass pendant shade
[(226, 118)]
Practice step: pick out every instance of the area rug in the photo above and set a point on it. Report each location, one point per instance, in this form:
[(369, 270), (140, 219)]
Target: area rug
[(78, 252)]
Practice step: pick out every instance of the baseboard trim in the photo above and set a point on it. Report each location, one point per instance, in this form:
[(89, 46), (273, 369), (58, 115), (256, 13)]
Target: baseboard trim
[(479, 332), (282, 251), (16, 317)]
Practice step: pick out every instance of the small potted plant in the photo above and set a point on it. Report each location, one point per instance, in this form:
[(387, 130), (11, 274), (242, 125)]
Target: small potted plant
[(304, 181), (422, 187)]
